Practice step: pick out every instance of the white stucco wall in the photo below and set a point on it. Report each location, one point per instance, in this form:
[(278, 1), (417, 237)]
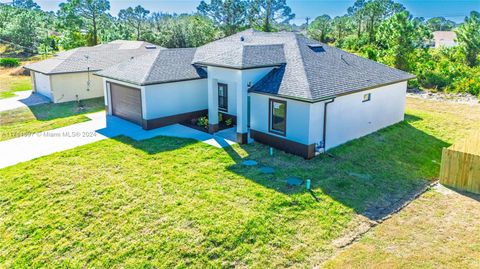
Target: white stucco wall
[(350, 118), (445, 44), (169, 99), (315, 128), (298, 117), (237, 81), (41, 84), (66, 87), (232, 78)]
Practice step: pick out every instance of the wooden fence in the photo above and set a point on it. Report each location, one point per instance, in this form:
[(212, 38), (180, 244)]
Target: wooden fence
[(461, 165)]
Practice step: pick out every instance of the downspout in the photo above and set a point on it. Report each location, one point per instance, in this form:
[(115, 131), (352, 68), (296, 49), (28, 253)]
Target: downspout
[(324, 135)]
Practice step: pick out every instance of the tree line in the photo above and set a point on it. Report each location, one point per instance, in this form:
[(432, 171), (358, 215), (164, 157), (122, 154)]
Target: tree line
[(385, 31), (88, 23), (382, 30)]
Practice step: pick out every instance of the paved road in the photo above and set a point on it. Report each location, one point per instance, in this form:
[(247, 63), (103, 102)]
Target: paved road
[(22, 99), (98, 128)]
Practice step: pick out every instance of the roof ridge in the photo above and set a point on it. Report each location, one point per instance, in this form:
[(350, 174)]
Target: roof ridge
[(149, 71), (297, 43), (242, 56), (217, 55)]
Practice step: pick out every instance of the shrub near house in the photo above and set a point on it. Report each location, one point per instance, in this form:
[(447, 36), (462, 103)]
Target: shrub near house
[(9, 62)]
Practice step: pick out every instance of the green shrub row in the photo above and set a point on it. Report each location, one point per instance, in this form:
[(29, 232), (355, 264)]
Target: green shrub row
[(9, 62)]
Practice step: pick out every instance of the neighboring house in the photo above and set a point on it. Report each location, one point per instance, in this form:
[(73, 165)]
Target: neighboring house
[(282, 89), (69, 75), (446, 39)]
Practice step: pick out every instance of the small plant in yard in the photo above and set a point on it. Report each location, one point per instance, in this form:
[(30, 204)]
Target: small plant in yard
[(9, 62), (202, 121), (229, 121), (220, 117)]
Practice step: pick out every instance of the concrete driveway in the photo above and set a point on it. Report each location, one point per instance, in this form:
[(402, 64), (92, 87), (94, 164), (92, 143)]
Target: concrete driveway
[(98, 128), (22, 99)]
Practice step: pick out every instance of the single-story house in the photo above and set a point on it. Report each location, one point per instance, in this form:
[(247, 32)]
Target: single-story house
[(69, 75), (446, 39), (282, 89)]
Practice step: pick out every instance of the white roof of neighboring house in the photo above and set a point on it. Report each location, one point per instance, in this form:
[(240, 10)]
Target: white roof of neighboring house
[(444, 36), (92, 58)]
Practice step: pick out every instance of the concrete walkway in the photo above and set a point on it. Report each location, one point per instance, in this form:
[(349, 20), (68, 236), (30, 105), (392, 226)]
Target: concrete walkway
[(22, 99), (98, 128)]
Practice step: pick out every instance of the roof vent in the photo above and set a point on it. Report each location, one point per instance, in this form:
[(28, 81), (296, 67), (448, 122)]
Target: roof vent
[(150, 47), (316, 48), (242, 38)]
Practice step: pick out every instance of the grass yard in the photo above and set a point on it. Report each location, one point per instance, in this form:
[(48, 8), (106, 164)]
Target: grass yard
[(169, 202), (438, 230), (24, 121), (9, 83)]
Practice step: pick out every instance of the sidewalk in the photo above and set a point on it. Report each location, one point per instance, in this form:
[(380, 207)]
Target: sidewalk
[(98, 128), (22, 99)]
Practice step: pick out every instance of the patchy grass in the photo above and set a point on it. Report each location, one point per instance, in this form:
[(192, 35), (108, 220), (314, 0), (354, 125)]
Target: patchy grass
[(169, 202), (10, 84), (12, 80), (24, 121), (438, 230)]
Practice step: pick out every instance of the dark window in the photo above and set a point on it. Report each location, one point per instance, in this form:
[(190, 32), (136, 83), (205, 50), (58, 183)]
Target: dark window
[(367, 97), (278, 116), (222, 97)]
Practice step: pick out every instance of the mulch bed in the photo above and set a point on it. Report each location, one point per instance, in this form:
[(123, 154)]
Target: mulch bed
[(221, 126)]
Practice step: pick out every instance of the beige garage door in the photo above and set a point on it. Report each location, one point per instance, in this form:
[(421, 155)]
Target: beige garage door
[(126, 103)]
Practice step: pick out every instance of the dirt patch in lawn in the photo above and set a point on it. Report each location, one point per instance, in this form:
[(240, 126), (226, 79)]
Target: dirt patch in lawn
[(437, 230)]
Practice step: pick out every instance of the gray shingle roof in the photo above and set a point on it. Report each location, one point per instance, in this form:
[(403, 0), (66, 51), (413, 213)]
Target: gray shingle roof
[(309, 70), (91, 58), (245, 56), (160, 66), (303, 69)]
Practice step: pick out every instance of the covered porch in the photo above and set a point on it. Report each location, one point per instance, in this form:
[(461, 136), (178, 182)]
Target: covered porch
[(228, 99)]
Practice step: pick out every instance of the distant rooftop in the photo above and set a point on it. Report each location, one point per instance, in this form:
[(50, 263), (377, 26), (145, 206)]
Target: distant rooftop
[(92, 58)]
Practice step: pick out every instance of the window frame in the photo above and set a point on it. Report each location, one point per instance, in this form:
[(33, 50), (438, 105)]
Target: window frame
[(271, 101), (225, 97), (369, 97)]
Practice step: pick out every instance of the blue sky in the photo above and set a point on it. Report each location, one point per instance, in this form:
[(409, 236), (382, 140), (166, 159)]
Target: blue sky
[(452, 9)]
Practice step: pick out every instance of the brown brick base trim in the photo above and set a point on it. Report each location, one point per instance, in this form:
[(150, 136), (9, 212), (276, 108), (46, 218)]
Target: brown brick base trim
[(242, 138), (164, 121), (305, 151), (212, 128)]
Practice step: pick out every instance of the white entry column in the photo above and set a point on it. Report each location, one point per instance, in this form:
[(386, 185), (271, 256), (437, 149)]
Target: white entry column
[(242, 111), (212, 105)]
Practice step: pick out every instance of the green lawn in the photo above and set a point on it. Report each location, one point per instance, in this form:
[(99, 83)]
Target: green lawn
[(9, 84), (169, 202), (24, 121)]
